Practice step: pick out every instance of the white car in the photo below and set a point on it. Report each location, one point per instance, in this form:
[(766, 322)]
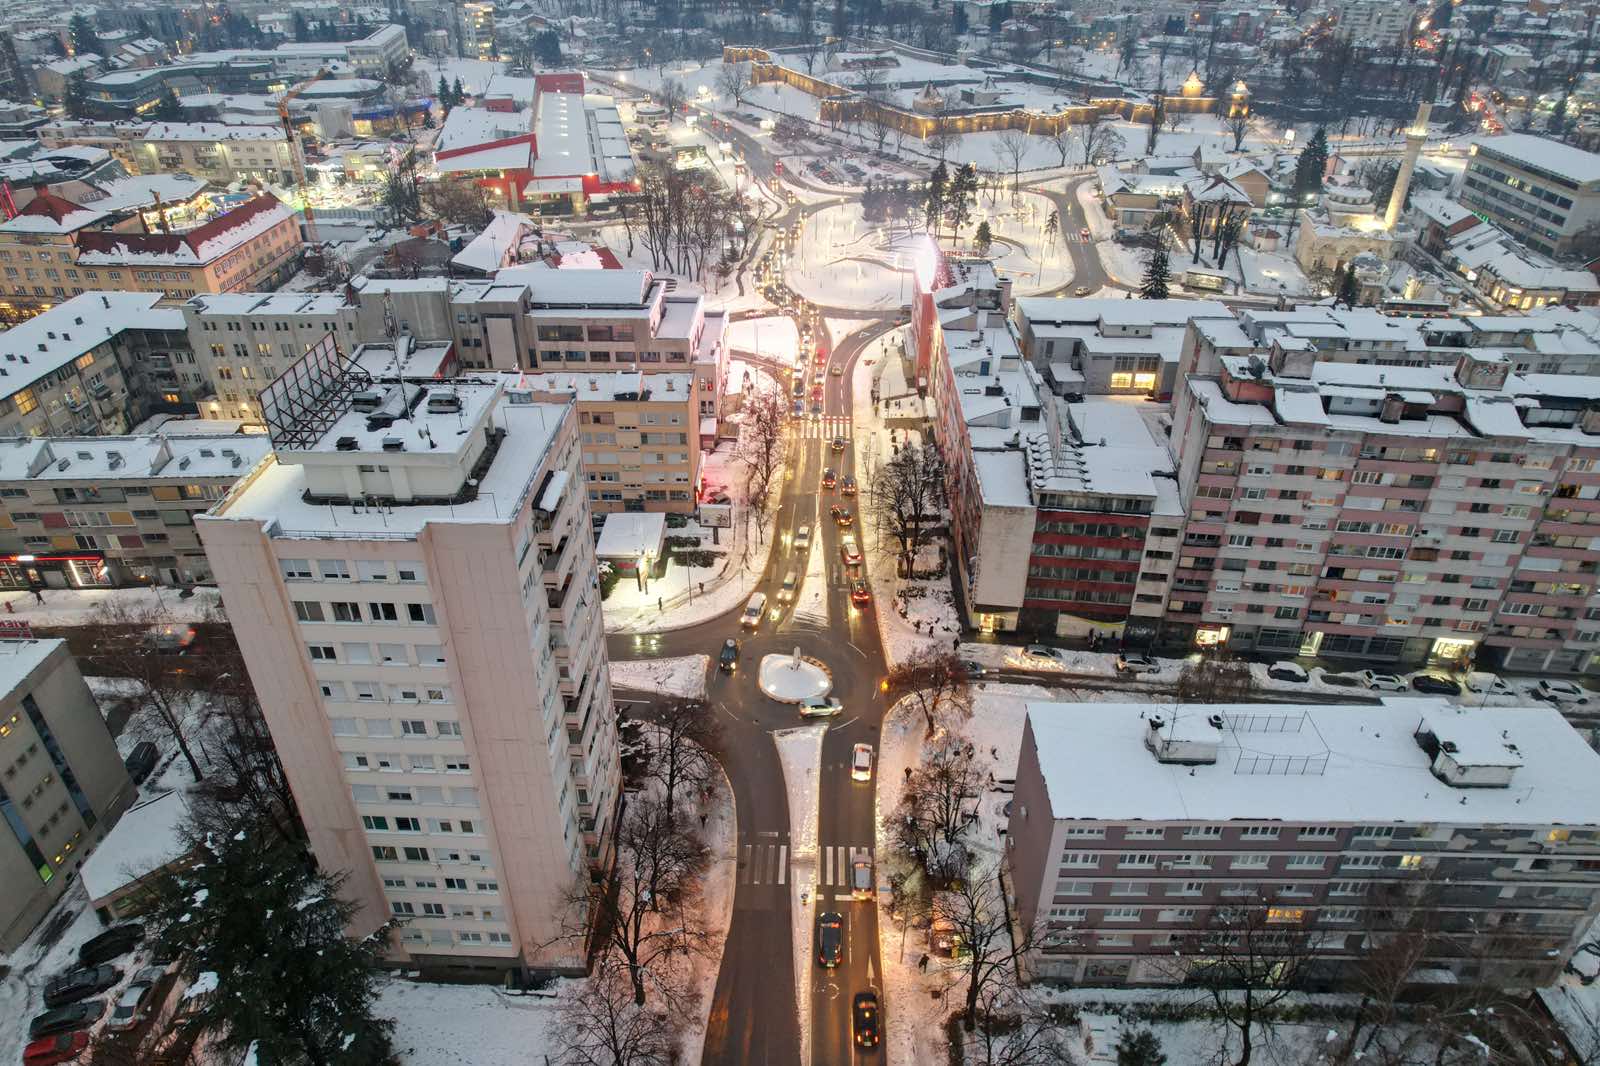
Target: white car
[(820, 707), (861, 879), (861, 762), (1043, 651), (1486, 684), (802, 538), (1559, 692), (1383, 682), (1137, 664)]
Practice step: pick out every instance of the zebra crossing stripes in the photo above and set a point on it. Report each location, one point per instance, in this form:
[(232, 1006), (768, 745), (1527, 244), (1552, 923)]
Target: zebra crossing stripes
[(825, 427), (837, 862), (764, 864)]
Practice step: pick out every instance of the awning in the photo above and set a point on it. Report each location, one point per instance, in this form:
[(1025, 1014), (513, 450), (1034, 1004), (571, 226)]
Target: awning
[(552, 186)]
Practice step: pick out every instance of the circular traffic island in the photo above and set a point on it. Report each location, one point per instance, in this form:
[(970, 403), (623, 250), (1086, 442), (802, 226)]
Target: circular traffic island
[(793, 678)]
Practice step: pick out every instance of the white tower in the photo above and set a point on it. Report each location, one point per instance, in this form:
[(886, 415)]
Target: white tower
[(1415, 137)]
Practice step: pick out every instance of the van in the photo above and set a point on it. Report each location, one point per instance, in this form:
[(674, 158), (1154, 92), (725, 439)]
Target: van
[(753, 610), (791, 583)]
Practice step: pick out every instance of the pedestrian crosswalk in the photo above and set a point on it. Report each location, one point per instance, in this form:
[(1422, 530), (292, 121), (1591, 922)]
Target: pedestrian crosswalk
[(835, 863), (773, 864), (825, 427)]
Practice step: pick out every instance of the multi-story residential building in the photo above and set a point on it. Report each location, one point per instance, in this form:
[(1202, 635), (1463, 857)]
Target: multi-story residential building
[(1541, 191), (97, 364), (55, 248), (119, 137), (216, 152), (51, 78), (477, 29), (371, 57), (1109, 347), (244, 340), (1139, 832), (639, 431), (62, 783), (417, 601), (80, 512)]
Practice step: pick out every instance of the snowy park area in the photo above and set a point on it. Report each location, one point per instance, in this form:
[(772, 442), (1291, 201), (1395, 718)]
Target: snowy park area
[(684, 676), (769, 337)]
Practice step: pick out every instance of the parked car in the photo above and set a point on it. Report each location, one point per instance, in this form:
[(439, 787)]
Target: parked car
[(80, 984), (830, 939), (141, 761), (1136, 664), (790, 586), (820, 707), (1288, 671), (864, 1020), (861, 879), (66, 1019), (849, 551), (171, 640), (1435, 683), (1082, 290), (116, 941), (847, 485), (829, 478), (728, 659), (860, 595), (1487, 684), (1382, 682), (861, 762), (1559, 692), (802, 538), (134, 1004), (53, 1050)]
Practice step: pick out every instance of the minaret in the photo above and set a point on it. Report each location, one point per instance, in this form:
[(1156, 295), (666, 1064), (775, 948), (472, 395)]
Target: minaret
[(1415, 138)]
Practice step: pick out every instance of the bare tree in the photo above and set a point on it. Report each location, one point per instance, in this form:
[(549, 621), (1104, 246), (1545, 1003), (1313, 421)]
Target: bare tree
[(1013, 145), (646, 908), (1176, 121), (1063, 138), (673, 96), (1239, 124), (761, 449), (459, 203), (943, 133), (602, 1025), (904, 497), (974, 910), (1246, 958), (875, 110), (937, 808), (934, 683), (127, 640), (1101, 142), (733, 81), (1215, 681), (683, 747), (1014, 1029)]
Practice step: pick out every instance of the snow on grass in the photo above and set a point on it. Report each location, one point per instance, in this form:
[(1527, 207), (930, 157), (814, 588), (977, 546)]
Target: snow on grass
[(720, 835), (771, 337), (684, 676), (467, 1025), (800, 752), (76, 607)]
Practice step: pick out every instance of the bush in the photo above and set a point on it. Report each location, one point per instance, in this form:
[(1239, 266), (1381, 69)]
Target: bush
[(698, 558), (683, 542), (608, 581), (677, 521)]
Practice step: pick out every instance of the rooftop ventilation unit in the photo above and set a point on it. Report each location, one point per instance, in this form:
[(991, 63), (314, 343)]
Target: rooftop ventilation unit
[(345, 444), (444, 402), (393, 444)]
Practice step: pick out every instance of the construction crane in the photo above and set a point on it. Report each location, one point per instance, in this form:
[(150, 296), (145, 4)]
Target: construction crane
[(297, 151)]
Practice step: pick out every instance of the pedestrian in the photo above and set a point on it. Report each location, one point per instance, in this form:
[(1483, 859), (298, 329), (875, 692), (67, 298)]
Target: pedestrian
[(955, 643), (659, 605), (922, 964), (908, 773), (10, 609), (704, 815), (38, 596)]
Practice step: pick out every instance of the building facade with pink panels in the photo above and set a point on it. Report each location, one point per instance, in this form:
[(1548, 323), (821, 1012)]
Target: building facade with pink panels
[(411, 576)]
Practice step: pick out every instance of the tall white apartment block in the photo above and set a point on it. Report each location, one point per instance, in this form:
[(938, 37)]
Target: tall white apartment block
[(411, 575)]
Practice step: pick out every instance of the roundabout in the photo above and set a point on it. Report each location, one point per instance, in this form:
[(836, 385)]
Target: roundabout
[(792, 678)]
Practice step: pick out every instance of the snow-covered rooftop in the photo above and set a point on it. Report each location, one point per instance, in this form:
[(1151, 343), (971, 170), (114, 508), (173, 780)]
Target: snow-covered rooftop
[(19, 658), (131, 458), (1313, 764), (627, 536), (46, 343), (1562, 160), (632, 385), (146, 838), (288, 304), (211, 131)]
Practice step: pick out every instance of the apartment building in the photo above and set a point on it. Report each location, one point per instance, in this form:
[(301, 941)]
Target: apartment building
[(1109, 347), (1540, 191), (418, 604), (85, 512), (244, 340), (1136, 828), (62, 783), (477, 29), (55, 248), (215, 151), (639, 436), (96, 364)]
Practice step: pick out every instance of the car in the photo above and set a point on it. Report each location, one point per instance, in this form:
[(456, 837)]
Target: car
[(836, 370), (816, 392), (1043, 651), (790, 586), (1084, 232), (134, 1004), (847, 485), (820, 707), (80, 984), (728, 658), (114, 942), (848, 551), (66, 1019), (799, 388), (1487, 684), (1288, 671), (172, 640), (1382, 682), (802, 538), (1558, 692), (973, 668), (860, 595), (830, 939), (838, 444), (141, 761), (754, 608), (861, 879), (1082, 290), (799, 408), (816, 407), (1136, 664), (861, 762), (830, 477), (1437, 684), (51, 1050), (864, 1019), (842, 517)]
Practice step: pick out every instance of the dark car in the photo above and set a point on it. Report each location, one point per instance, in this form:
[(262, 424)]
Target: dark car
[(80, 984), (118, 940), (847, 485), (864, 1019), (1434, 683), (66, 1019), (830, 939), (729, 659), (141, 761), (53, 1050), (829, 478)]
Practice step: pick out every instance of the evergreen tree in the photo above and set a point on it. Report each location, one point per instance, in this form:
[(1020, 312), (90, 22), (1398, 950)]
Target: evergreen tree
[(1349, 287), (1157, 275), (958, 20), (1309, 168), (169, 109), (75, 98), (983, 239), (1139, 1047), (960, 196), (253, 913), (547, 48), (84, 37), (458, 95), (443, 94), (933, 201), (1052, 226)]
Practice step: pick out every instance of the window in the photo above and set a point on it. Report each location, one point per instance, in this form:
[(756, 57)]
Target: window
[(1080, 858), (1338, 914), (1305, 862), (416, 854), (1143, 834), (382, 612), (374, 821), (322, 653), (1285, 915), (1120, 914), (333, 569), (295, 569), (1093, 831), (1137, 858), (1368, 831), (1259, 832), (1411, 862), (407, 825), (1250, 862), (1347, 888), (413, 727), (419, 612), (448, 729), (1203, 832), (384, 853), (400, 906), (487, 886), (1363, 862), (345, 612), (308, 610)]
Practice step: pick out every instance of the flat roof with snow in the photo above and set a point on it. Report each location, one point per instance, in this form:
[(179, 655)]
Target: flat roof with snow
[(628, 536), (19, 658), (145, 839)]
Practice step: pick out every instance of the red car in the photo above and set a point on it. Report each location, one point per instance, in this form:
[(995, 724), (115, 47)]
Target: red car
[(859, 594), (49, 1050)]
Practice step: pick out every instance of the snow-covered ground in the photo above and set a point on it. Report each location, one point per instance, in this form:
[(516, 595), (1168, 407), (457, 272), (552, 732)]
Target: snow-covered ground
[(76, 607), (788, 679), (684, 676), (771, 337), (812, 606), (721, 839), (50, 950), (800, 752), (468, 1025)]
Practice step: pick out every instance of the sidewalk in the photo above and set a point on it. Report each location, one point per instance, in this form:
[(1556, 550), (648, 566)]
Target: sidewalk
[(76, 607)]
